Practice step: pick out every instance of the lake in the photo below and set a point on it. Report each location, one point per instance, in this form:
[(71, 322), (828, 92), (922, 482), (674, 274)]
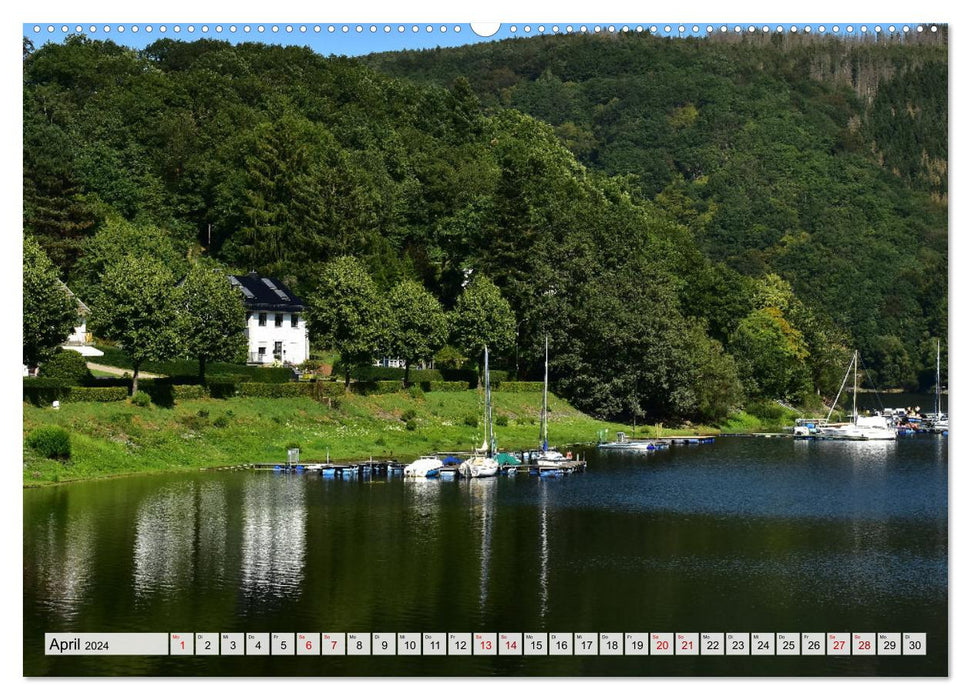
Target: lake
[(745, 535)]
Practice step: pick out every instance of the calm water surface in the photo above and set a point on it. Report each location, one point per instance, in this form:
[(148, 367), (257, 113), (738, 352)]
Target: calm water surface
[(743, 535)]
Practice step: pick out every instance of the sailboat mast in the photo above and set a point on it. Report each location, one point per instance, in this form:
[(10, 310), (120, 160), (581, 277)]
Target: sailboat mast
[(937, 383), (856, 355), (488, 406), (546, 381)]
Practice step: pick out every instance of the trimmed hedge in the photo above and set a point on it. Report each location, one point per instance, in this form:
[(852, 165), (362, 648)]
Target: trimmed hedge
[(100, 394), (45, 392), (518, 387), (379, 387), (275, 391), (189, 368), (444, 386), (417, 376), (188, 392)]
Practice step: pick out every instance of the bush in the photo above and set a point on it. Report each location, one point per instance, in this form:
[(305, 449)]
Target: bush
[(142, 399), (411, 425), (221, 421), (408, 415), (68, 366), (202, 413), (471, 420), (502, 421), (768, 411), (415, 391), (50, 441)]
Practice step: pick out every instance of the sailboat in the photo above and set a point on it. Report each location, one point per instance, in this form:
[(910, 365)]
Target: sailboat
[(483, 463), (862, 427), (546, 459), (938, 420)]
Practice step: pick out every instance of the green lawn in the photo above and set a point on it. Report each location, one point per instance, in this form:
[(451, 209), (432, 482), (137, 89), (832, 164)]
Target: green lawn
[(119, 438), (113, 439)]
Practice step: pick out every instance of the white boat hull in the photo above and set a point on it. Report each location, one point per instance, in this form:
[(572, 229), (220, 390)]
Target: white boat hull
[(424, 467), (479, 467)]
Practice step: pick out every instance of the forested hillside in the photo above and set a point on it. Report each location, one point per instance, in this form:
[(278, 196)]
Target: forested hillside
[(694, 224), (821, 160)]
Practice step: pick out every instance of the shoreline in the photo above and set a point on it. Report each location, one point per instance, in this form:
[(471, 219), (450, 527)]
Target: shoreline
[(111, 440)]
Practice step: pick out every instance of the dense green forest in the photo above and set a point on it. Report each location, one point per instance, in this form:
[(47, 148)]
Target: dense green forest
[(694, 223)]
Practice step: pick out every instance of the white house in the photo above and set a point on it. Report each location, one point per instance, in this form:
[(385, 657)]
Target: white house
[(276, 328), (79, 339)]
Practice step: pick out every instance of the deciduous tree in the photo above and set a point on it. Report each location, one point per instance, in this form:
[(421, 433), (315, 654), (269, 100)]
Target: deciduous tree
[(419, 327), (49, 312), (347, 313), (211, 316), (135, 307)]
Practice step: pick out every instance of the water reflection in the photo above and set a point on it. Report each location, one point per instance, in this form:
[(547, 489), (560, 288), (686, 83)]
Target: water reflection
[(544, 550), (180, 535), (63, 562), (482, 494), (274, 538), (165, 526)]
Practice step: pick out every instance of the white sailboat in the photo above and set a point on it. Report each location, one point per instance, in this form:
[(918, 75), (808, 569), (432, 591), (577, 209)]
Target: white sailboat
[(939, 419), (547, 458), (482, 463), (862, 427)]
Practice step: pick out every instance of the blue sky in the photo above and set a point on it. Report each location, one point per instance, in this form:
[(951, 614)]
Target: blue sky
[(358, 38)]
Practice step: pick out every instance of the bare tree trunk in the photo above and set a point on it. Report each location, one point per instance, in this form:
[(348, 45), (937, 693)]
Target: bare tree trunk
[(202, 369), (134, 378), (407, 370)]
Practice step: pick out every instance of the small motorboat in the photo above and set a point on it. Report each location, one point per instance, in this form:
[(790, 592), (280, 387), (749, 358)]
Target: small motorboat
[(424, 467)]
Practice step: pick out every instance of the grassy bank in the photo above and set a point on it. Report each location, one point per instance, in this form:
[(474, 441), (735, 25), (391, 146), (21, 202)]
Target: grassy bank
[(113, 439), (118, 438)]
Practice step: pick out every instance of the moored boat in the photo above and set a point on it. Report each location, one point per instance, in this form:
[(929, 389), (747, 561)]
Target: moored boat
[(424, 467), (482, 463), (877, 427)]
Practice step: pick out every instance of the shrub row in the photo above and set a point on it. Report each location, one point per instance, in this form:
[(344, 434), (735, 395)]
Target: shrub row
[(444, 386), (46, 395), (518, 387), (376, 387), (276, 391), (418, 376), (189, 368)]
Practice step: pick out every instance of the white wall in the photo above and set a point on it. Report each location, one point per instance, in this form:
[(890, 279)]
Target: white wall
[(296, 345), (79, 334)]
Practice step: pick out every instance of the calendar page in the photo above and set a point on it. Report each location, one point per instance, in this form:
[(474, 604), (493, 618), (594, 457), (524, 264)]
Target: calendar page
[(613, 349)]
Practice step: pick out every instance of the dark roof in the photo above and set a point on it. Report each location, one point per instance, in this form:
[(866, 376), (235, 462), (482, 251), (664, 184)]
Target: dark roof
[(266, 293)]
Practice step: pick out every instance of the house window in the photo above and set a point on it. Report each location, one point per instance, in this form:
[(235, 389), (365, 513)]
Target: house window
[(277, 320), (294, 320), (262, 319), (278, 350), (262, 352)]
